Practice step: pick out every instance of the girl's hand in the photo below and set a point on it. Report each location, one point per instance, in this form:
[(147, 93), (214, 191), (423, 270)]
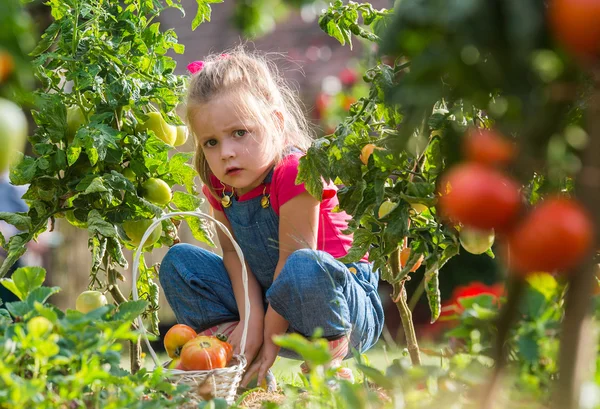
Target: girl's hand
[(263, 362), (253, 340)]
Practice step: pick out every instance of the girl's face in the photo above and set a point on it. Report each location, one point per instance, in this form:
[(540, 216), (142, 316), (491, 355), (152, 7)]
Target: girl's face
[(233, 142)]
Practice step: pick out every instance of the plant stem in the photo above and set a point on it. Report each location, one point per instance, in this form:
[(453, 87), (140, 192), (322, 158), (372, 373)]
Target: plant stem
[(399, 297), (407, 323), (135, 348), (576, 346)]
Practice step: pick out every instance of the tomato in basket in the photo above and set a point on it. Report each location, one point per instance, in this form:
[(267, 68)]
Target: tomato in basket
[(206, 352), (176, 337)]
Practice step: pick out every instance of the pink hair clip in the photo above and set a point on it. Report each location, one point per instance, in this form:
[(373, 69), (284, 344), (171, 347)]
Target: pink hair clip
[(224, 55), (195, 66)]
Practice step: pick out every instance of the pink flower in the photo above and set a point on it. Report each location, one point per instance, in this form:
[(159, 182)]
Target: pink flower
[(195, 66)]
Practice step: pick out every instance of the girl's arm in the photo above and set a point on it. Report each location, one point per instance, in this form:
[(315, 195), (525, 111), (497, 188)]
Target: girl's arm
[(234, 269)]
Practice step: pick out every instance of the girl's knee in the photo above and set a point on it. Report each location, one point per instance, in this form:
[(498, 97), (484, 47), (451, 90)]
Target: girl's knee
[(308, 271), (170, 264)]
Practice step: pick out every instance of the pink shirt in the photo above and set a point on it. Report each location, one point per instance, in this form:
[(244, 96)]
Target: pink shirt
[(283, 188)]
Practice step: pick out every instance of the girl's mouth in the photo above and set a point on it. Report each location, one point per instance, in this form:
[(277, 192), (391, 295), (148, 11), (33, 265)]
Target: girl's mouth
[(233, 171)]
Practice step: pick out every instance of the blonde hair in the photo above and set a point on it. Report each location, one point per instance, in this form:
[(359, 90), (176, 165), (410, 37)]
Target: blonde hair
[(252, 74)]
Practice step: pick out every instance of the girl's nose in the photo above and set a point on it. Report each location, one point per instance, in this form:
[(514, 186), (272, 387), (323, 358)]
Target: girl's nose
[(227, 150)]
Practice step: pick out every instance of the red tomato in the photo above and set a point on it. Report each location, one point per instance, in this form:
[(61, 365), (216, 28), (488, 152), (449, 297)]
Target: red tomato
[(555, 236), (177, 336), (205, 352), (405, 255), (487, 147), (478, 196), (576, 25)]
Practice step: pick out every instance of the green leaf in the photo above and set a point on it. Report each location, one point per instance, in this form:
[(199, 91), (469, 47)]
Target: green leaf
[(16, 248), (98, 247), (186, 201), (19, 308), (378, 377), (116, 252), (97, 140), (97, 225), (24, 172), (24, 280), (181, 171), (528, 348), (198, 228), (130, 310), (311, 167), (544, 283), (41, 295), (20, 220), (361, 244), (314, 352), (203, 13)]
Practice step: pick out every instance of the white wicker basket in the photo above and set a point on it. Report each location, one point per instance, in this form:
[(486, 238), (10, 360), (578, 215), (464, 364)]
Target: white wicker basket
[(218, 383)]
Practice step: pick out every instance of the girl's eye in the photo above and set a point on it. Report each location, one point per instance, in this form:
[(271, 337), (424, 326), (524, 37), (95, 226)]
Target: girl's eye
[(210, 143), (240, 132)]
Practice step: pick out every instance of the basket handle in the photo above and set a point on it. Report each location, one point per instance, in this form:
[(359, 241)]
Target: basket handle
[(136, 264)]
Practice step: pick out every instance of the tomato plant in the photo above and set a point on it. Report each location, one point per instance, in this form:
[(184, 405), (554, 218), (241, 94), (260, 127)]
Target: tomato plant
[(176, 337), (205, 352), (121, 115)]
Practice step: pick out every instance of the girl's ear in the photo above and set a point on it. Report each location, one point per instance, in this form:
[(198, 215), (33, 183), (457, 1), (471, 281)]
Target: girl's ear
[(279, 119)]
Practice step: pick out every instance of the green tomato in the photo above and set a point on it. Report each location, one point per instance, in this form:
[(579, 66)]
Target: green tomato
[(476, 241), (13, 132), (157, 191), (75, 119), (182, 135), (135, 230), (160, 127), (39, 326), (385, 208), (90, 300), (129, 174)]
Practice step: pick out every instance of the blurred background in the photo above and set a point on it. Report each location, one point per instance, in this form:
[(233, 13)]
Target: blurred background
[(327, 77)]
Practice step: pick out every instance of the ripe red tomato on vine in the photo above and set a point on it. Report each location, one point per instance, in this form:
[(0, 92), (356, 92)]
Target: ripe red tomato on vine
[(478, 196), (488, 147), (576, 25), (555, 236)]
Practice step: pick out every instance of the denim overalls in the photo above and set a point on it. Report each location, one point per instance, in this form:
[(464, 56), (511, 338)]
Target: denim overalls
[(312, 290)]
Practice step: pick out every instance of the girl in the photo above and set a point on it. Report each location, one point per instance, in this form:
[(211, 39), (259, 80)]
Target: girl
[(250, 133)]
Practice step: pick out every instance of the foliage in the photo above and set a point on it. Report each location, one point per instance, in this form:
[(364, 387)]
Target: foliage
[(75, 360), (435, 76), (102, 67)]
